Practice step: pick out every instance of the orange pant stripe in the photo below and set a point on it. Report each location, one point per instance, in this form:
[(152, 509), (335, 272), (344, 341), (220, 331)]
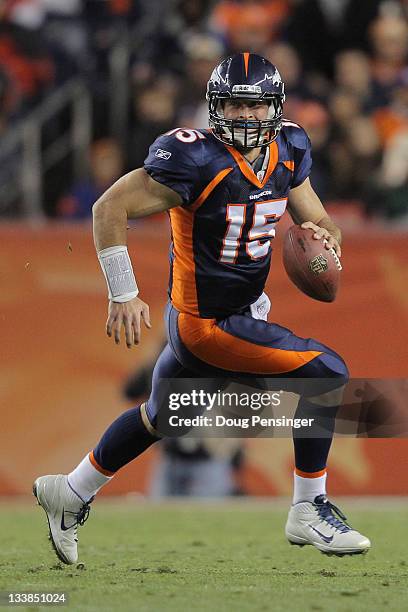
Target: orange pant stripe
[(222, 350)]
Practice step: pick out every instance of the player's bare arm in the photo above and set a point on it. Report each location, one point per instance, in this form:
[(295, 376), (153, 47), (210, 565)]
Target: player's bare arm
[(307, 210), (133, 196)]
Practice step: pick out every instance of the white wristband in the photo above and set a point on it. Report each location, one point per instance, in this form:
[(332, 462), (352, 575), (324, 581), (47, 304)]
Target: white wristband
[(117, 268)]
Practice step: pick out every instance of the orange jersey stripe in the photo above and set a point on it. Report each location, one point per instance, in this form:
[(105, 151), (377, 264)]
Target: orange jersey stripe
[(98, 467), (246, 63), (184, 290), (210, 187), (273, 160), (290, 165), (247, 170), (310, 474), (222, 350)]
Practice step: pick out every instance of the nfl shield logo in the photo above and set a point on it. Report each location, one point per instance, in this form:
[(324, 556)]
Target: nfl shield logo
[(318, 264)]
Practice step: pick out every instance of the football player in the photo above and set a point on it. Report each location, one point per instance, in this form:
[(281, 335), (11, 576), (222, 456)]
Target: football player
[(225, 188)]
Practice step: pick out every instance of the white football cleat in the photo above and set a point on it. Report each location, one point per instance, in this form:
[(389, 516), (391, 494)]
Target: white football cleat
[(65, 510), (316, 523)]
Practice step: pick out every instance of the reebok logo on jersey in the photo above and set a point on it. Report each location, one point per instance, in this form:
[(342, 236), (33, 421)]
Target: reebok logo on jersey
[(162, 154), (259, 195)]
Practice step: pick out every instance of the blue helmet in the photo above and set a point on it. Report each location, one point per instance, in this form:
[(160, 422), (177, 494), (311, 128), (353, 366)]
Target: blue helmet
[(249, 76)]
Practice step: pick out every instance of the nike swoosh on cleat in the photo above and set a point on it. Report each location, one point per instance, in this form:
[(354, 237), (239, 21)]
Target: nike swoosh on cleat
[(63, 526), (326, 539)]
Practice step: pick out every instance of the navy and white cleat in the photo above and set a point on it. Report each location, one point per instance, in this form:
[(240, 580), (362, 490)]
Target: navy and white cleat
[(65, 510), (316, 523)]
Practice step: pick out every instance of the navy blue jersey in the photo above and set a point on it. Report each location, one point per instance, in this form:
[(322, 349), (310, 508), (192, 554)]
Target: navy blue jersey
[(221, 233)]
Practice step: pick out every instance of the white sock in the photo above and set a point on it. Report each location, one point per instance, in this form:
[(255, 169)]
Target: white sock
[(306, 489), (86, 480)]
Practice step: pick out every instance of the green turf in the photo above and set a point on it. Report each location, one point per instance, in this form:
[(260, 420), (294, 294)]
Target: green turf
[(205, 558)]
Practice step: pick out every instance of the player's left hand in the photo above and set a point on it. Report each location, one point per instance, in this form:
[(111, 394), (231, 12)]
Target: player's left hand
[(322, 233), (129, 316)]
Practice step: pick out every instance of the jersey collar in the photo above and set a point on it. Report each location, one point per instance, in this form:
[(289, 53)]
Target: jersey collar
[(247, 170)]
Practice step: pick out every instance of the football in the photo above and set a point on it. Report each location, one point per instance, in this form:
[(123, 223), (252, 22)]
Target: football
[(314, 269)]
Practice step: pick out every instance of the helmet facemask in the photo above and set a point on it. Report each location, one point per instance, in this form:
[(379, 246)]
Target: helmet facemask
[(246, 134)]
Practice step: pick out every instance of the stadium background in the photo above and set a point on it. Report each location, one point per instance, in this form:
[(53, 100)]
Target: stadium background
[(84, 89)]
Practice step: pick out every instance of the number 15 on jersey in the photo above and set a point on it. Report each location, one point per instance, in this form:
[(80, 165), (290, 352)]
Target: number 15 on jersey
[(257, 239)]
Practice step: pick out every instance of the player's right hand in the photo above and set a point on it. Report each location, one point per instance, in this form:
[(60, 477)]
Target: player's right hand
[(128, 314)]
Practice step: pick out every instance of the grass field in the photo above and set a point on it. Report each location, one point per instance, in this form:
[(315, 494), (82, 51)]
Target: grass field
[(208, 557)]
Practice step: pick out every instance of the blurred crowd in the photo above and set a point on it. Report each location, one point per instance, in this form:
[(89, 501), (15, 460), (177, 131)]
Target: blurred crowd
[(344, 63)]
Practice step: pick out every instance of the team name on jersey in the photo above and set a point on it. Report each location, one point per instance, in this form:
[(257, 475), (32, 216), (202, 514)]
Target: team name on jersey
[(255, 196)]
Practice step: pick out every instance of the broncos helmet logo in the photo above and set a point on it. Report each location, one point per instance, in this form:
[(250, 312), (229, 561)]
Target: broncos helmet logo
[(275, 78)]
